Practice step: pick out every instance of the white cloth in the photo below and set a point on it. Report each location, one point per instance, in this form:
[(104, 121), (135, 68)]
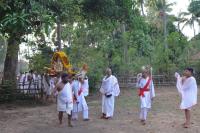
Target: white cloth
[(80, 104), (109, 86), (84, 113), (26, 83), (65, 99), (45, 83), (31, 85), (22, 78), (148, 95), (143, 113), (51, 87), (188, 90), (85, 87), (108, 105), (22, 81), (39, 81)]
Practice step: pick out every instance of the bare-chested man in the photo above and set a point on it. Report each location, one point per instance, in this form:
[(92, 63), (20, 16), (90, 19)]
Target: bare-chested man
[(64, 98)]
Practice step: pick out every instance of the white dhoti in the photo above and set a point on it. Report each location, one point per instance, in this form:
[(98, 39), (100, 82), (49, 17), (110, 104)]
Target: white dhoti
[(45, 84), (145, 102), (145, 105), (81, 105), (26, 85), (21, 81), (51, 87), (69, 108), (188, 90), (64, 100), (108, 104), (85, 87)]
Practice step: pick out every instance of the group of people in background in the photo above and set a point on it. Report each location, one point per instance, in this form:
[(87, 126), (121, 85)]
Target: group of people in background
[(30, 82), (71, 91)]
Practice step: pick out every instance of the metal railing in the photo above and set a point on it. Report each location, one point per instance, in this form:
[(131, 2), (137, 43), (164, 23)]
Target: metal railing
[(32, 89), (24, 91), (159, 80)]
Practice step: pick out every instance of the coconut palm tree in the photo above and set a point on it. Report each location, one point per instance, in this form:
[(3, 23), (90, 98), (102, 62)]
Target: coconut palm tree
[(161, 8), (194, 8), (188, 19), (142, 6)]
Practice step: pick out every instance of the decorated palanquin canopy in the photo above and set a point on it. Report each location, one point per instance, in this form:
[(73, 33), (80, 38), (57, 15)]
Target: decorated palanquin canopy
[(60, 63)]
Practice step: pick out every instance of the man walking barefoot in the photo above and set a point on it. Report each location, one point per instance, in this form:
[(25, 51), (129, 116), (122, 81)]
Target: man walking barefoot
[(187, 87), (64, 99)]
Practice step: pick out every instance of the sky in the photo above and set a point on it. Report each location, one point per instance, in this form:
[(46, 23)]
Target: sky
[(181, 6)]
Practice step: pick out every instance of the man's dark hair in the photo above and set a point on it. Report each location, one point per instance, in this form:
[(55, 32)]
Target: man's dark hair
[(31, 71), (64, 75), (190, 69)]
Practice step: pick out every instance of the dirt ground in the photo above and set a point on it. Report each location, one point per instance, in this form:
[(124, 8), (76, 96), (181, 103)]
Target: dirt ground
[(165, 116)]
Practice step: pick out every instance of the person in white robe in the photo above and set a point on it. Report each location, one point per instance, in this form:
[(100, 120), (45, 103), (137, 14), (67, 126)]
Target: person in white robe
[(187, 88), (22, 78), (22, 82), (26, 82), (45, 84), (64, 99), (80, 104), (31, 82), (85, 86), (109, 90), (39, 81), (146, 93), (51, 87)]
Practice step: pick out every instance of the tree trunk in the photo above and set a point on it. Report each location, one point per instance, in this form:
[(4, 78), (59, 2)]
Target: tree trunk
[(194, 29), (11, 61), (58, 33), (125, 46), (165, 29), (142, 7), (179, 29)]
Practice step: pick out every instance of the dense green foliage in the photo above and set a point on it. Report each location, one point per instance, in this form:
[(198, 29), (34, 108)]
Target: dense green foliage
[(105, 33)]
